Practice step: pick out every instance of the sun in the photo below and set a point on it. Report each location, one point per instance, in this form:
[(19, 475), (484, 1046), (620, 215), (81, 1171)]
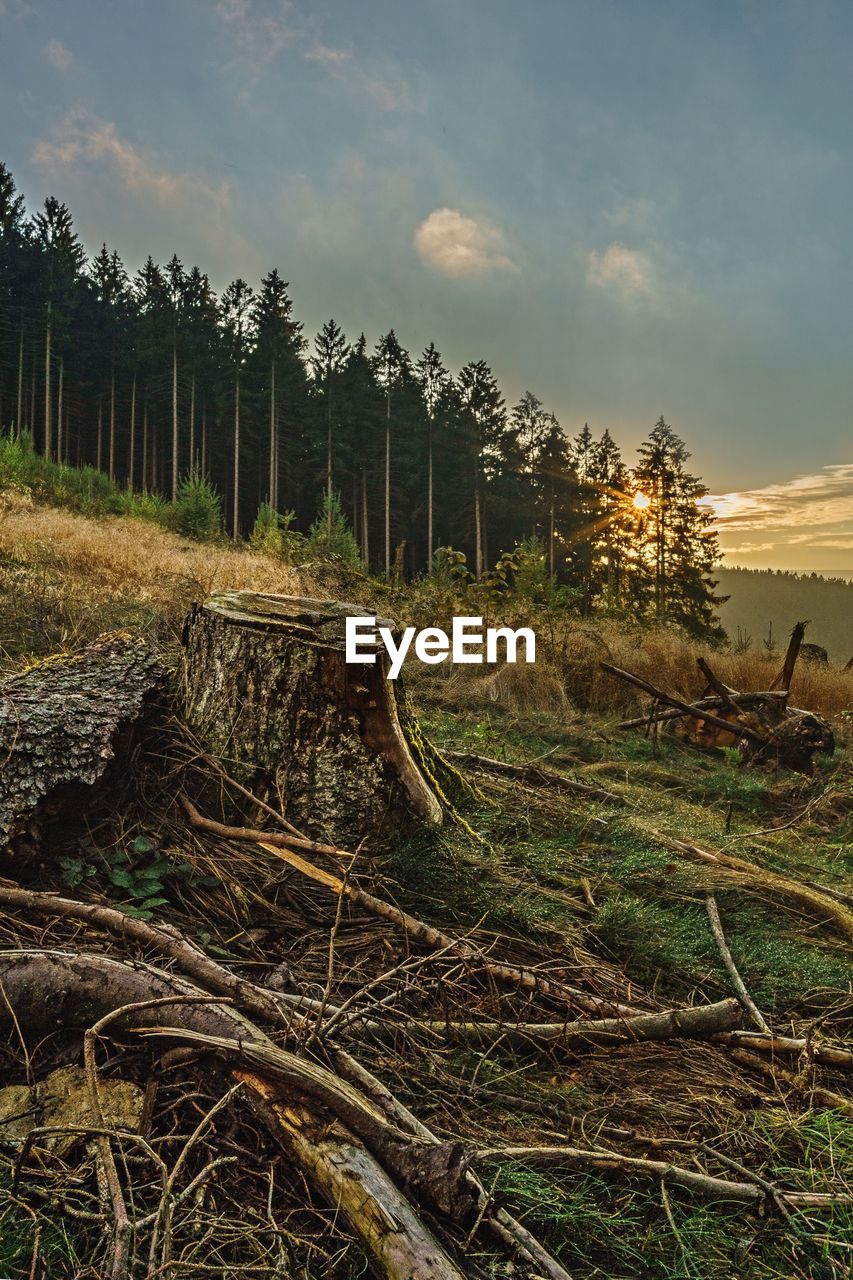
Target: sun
[(641, 500)]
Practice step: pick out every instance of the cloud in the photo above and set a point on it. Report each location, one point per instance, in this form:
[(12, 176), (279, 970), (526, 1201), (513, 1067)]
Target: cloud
[(389, 92), (260, 30), (638, 212), (58, 56), (327, 56), (621, 271), (456, 246), (83, 138), (824, 497)]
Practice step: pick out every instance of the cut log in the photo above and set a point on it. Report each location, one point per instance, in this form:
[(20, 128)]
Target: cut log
[(268, 690), (66, 725)]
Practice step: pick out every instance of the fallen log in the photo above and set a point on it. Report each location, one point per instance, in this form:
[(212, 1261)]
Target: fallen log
[(66, 724), (269, 691)]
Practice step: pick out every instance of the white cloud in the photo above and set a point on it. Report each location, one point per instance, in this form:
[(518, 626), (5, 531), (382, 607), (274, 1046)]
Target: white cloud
[(327, 56), (824, 497), (388, 91), (621, 271), (83, 138), (259, 30), (58, 56), (455, 245), (638, 212)]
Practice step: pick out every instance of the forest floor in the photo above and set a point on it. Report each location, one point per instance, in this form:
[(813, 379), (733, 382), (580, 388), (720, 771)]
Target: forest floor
[(585, 891)]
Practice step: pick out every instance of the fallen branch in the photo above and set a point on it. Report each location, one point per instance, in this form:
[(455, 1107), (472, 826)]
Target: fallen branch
[(684, 707), (525, 979), (745, 998), (532, 773), (741, 700), (814, 900), (694, 1022), (51, 991), (703, 1184), (420, 931), (826, 1055)]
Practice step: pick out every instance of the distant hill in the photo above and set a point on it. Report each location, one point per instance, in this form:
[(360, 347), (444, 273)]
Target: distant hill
[(759, 597)]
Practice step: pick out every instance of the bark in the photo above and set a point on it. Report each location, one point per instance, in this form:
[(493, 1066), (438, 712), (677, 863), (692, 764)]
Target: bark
[(131, 466), (269, 691), (64, 724)]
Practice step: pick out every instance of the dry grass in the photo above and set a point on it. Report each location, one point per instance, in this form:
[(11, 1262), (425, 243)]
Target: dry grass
[(65, 578), (119, 555), (567, 673)]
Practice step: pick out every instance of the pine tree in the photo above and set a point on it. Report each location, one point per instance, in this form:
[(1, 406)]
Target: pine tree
[(278, 356), (484, 420), (61, 259), (434, 380), (681, 546), (236, 308), (330, 353), (392, 367)]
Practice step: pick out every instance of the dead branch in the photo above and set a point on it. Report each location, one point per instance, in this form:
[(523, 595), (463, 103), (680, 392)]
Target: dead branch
[(684, 707), (788, 1046), (814, 900), (694, 1022), (785, 676), (536, 775), (741, 700), (745, 998), (704, 1184)]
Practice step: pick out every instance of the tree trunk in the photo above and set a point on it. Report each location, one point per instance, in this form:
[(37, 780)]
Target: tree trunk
[(63, 723), (237, 458), (388, 487), (112, 420), (19, 417), (429, 502), (192, 423), (175, 420), (48, 412), (131, 465), (273, 496), (478, 530), (59, 390), (269, 691), (99, 457)]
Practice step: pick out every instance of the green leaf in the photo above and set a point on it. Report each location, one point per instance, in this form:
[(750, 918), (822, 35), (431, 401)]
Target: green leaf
[(144, 844)]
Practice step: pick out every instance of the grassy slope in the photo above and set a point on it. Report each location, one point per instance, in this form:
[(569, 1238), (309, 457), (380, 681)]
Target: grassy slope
[(64, 578)]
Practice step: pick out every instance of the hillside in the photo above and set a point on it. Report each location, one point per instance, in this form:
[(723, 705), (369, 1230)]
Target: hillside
[(603, 890), (760, 598)]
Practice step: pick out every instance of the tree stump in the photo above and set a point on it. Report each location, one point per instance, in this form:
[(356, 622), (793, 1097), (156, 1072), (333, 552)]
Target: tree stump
[(268, 692), (64, 726)]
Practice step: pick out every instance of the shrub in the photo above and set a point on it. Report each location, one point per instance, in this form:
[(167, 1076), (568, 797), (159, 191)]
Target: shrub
[(330, 537), (274, 535), (197, 512)]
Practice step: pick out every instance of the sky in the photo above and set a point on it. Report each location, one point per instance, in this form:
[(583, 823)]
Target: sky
[(632, 208)]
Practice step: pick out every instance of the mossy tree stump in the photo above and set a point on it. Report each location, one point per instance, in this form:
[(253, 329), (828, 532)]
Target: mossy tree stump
[(269, 693)]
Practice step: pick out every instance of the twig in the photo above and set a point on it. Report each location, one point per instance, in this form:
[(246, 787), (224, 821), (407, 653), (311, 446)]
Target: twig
[(743, 995)]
